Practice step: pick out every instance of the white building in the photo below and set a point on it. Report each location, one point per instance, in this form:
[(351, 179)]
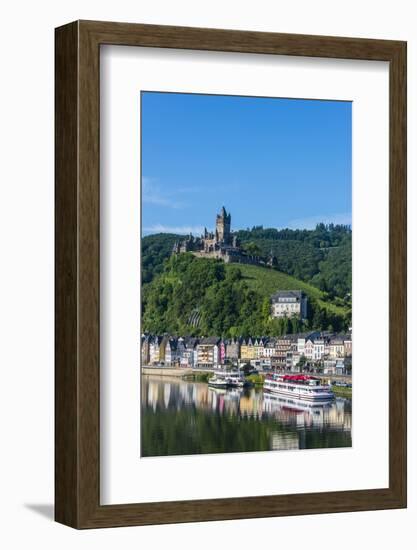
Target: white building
[(289, 303), (301, 345), (269, 349), (293, 358), (318, 349), (334, 366), (157, 350), (309, 349), (172, 355)]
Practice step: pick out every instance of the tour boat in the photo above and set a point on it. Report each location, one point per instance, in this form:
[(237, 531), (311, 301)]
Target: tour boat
[(236, 379), (300, 386), (227, 379), (219, 380)]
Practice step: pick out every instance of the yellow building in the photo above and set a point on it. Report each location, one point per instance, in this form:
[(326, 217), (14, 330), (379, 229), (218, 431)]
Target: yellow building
[(247, 350), (336, 348)]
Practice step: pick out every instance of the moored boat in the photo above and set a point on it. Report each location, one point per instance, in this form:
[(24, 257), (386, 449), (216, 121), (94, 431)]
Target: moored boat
[(299, 386), (228, 379), (219, 380)]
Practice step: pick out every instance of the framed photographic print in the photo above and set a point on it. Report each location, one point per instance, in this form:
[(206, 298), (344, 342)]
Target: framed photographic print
[(230, 274)]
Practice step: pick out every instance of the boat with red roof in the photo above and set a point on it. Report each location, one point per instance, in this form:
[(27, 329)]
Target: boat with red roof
[(299, 386)]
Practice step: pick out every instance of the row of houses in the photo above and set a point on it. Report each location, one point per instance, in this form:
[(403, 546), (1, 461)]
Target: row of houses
[(284, 352)]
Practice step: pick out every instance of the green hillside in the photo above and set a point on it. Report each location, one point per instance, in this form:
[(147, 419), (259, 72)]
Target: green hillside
[(320, 258), (266, 281), (155, 250), (206, 297)]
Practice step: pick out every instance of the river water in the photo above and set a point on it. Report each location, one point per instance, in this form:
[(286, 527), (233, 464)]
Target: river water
[(180, 417)]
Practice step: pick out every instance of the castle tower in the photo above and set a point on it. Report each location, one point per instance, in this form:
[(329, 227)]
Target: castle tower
[(223, 222)]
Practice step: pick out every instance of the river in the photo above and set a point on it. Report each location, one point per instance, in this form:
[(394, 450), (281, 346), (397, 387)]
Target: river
[(181, 417)]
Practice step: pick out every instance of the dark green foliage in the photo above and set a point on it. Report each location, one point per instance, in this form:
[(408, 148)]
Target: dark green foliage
[(321, 256), (335, 275), (155, 249), (226, 304)]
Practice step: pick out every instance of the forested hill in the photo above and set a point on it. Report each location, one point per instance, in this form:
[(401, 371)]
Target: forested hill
[(208, 297), (320, 257), (156, 249)]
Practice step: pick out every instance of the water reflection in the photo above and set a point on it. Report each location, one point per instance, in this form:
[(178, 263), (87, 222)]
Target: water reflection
[(181, 417)]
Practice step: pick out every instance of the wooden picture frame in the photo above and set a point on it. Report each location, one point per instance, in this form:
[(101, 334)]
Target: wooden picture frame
[(77, 374)]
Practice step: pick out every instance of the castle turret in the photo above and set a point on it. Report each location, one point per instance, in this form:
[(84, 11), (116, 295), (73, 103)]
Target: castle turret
[(223, 223)]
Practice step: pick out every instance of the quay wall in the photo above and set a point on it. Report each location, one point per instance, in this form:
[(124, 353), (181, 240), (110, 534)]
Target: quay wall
[(165, 371)]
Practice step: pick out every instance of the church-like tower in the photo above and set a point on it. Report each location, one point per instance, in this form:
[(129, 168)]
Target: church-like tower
[(223, 222)]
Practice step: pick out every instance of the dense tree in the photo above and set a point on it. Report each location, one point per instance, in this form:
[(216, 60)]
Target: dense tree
[(321, 256), (155, 249)]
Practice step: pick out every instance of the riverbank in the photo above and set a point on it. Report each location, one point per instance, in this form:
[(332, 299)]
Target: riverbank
[(342, 391), (197, 376), (165, 371)]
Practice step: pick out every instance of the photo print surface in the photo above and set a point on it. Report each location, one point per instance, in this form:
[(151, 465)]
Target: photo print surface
[(246, 274)]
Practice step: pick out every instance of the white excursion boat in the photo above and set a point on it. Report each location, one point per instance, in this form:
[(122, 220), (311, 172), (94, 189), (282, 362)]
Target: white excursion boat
[(219, 380), (236, 379), (300, 386), (227, 379)]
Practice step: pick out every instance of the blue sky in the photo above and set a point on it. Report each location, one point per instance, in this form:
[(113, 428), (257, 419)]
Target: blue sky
[(269, 161)]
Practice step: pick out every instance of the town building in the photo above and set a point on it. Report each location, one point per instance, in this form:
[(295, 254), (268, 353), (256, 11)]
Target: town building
[(222, 351), (247, 350), (283, 345), (233, 349), (309, 348), (333, 352), (289, 303), (347, 343), (318, 348), (334, 366), (259, 345), (145, 341), (208, 352), (292, 361), (172, 356), (301, 345), (336, 348), (157, 347), (187, 351), (269, 348)]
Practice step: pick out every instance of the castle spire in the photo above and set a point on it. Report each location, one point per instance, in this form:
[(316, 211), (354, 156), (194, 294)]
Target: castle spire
[(223, 222)]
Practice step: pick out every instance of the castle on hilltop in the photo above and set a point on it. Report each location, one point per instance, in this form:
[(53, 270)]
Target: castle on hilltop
[(222, 244)]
